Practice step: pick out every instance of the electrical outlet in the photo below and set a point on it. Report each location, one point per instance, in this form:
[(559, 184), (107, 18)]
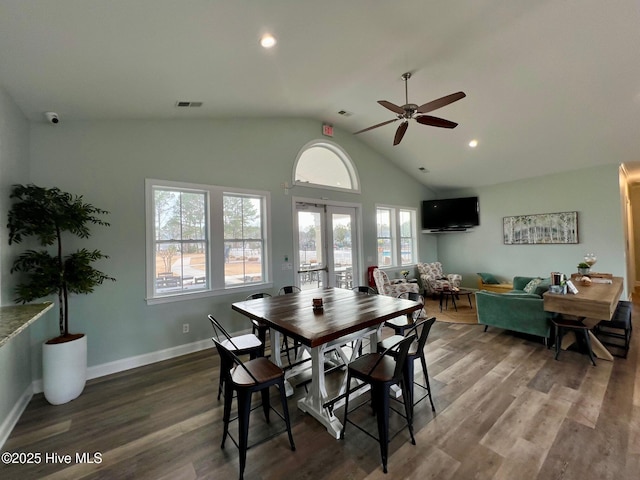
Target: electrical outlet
[(185, 328)]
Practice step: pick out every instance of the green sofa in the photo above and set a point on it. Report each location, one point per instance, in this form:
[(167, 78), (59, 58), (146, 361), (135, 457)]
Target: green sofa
[(516, 310)]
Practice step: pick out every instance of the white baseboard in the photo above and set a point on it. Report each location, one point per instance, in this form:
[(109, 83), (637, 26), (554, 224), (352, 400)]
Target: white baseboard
[(137, 361), (16, 412)]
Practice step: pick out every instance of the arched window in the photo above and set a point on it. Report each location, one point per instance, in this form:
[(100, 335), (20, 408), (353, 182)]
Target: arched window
[(326, 165)]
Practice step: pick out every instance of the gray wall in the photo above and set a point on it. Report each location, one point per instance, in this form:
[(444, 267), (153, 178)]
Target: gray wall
[(594, 193), (15, 365), (108, 161)]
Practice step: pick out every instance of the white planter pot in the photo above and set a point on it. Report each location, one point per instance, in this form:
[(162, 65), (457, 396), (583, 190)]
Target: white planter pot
[(64, 370)]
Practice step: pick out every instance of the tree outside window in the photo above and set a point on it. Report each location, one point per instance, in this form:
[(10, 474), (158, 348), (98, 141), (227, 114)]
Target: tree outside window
[(203, 239), (180, 240), (243, 239)]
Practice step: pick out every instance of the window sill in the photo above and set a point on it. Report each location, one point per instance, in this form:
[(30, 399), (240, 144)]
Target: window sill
[(207, 294)]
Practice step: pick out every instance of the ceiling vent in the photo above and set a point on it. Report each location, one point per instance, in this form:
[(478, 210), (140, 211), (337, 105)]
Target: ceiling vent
[(188, 104)]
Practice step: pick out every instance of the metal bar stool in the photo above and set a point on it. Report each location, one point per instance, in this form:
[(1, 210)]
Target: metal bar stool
[(564, 324), (260, 328), (619, 327), (256, 375), (381, 371), (416, 351), (247, 344), (400, 325)]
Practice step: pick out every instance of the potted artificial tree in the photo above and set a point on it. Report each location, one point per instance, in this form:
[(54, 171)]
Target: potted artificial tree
[(47, 214)]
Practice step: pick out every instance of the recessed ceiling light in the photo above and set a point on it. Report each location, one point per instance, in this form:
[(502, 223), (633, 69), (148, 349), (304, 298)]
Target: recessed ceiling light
[(267, 40), (473, 143)]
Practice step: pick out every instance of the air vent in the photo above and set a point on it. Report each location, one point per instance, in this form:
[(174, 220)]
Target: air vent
[(188, 104)]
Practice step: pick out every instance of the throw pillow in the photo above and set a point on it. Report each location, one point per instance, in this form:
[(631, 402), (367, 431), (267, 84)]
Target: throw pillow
[(488, 278), (532, 285), (543, 286)]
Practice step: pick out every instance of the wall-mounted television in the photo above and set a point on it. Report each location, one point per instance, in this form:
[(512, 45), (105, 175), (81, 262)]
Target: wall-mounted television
[(450, 214)]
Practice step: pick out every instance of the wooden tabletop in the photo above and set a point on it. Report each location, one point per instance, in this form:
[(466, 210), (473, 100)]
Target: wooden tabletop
[(599, 300), (343, 312)]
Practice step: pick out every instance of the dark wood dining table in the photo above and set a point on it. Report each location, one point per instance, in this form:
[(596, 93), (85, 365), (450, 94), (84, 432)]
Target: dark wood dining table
[(346, 316)]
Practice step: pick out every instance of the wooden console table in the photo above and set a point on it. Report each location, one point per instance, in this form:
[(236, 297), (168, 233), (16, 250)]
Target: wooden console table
[(592, 304)]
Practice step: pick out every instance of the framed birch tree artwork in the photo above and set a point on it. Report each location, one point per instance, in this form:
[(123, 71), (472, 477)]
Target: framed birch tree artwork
[(544, 228)]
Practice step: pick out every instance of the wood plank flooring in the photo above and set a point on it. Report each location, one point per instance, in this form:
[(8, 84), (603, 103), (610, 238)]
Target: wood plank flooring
[(505, 409)]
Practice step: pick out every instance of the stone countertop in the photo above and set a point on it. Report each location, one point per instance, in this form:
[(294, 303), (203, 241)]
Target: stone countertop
[(15, 318)]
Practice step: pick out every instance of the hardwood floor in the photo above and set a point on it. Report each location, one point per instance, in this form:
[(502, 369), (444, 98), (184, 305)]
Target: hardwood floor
[(505, 409)]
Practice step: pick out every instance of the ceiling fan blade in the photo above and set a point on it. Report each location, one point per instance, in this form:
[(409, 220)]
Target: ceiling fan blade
[(376, 126), (391, 106), (440, 102), (435, 121), (400, 133)]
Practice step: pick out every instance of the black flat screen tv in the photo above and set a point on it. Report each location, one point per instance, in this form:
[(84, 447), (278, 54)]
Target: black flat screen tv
[(450, 214)]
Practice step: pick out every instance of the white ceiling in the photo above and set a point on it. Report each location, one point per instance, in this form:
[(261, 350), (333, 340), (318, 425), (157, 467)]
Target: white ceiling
[(552, 85)]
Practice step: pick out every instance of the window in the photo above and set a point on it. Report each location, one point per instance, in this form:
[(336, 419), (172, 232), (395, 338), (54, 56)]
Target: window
[(203, 239), (385, 241), (325, 164), (243, 239), (397, 237)]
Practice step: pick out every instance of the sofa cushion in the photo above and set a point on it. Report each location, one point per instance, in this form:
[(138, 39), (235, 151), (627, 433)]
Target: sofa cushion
[(532, 285), (488, 278), (520, 294)]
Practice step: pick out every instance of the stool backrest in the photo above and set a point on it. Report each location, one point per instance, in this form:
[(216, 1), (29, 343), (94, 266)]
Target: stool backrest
[(231, 358), (402, 349), (288, 289), (415, 297), (253, 296), (424, 333), (364, 289), (219, 331)]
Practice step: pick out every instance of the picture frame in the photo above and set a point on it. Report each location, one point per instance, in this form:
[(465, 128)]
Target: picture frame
[(541, 229)]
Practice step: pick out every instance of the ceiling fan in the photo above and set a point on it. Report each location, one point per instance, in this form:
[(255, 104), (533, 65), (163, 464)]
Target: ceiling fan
[(408, 111)]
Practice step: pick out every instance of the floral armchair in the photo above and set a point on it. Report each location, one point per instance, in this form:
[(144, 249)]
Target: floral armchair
[(434, 280), (385, 287)]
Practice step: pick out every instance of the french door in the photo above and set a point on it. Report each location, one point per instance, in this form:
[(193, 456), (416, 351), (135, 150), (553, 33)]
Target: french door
[(327, 246)]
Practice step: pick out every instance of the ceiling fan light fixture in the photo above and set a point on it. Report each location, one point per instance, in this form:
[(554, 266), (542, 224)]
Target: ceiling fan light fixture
[(268, 41), (408, 112)]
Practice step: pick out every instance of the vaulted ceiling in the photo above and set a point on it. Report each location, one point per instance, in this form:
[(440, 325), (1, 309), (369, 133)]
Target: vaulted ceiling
[(551, 85)]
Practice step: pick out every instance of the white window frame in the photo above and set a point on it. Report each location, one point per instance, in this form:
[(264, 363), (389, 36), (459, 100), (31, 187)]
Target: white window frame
[(215, 240), (396, 235), (344, 158)]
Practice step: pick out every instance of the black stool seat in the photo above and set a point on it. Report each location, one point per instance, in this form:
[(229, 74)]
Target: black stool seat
[(621, 320), (563, 324)]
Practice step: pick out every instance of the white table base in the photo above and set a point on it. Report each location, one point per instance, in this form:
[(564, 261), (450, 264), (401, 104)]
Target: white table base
[(313, 403)]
